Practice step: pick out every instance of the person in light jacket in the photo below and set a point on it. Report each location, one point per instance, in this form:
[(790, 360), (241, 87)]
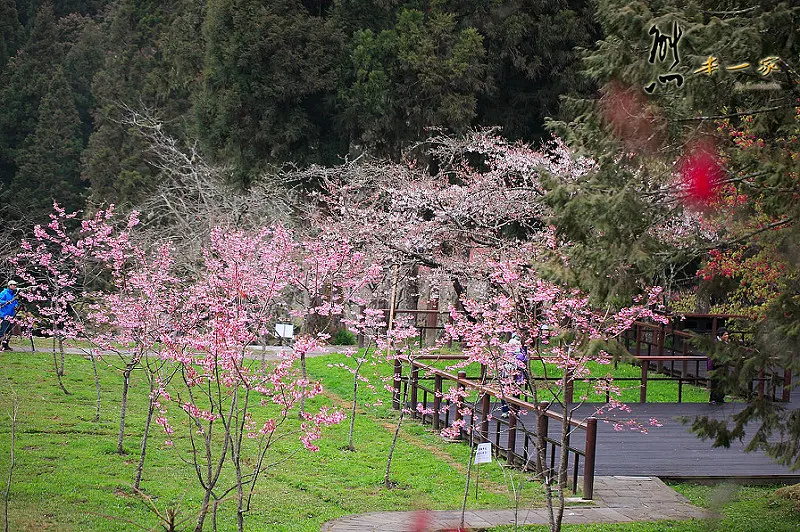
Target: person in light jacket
[(518, 369)]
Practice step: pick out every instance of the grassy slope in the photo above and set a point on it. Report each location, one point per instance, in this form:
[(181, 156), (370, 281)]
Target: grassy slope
[(68, 477)]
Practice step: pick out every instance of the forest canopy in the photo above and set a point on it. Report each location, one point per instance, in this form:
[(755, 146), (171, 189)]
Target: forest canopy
[(262, 84)]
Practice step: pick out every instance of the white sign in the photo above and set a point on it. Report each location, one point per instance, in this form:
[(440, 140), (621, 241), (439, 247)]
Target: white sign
[(285, 330), (484, 453)]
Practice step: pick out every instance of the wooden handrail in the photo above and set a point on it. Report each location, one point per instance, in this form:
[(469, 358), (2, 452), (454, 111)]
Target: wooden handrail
[(667, 358), (589, 426), (494, 392)]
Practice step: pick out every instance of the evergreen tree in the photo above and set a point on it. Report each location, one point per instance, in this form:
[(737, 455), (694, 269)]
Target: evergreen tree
[(267, 84), (715, 81), (533, 55), (11, 31), (22, 86), (49, 162), (422, 72), (114, 162), (83, 60)]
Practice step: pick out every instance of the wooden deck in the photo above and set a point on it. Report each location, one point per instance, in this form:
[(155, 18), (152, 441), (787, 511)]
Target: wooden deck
[(669, 451)]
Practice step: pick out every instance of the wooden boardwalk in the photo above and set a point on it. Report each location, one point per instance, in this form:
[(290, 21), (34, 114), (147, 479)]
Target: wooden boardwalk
[(669, 451)]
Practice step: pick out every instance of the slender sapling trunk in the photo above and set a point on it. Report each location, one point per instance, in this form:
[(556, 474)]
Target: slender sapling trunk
[(59, 369), (96, 385), (143, 449), (304, 376), (12, 458), (355, 403), (386, 482), (126, 379)]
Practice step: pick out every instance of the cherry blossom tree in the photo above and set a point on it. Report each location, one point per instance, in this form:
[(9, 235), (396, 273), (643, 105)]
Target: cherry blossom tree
[(136, 320), (475, 214), (370, 324), (63, 264), (203, 325), (332, 277), (477, 192), (565, 332)]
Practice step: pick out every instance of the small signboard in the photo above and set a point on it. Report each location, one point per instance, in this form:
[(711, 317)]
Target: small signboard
[(484, 453), (284, 330)]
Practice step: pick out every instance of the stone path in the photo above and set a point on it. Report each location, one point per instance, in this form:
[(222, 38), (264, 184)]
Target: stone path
[(254, 351), (617, 499)]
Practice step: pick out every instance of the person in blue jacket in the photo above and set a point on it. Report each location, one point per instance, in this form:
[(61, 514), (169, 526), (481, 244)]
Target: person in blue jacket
[(8, 307)]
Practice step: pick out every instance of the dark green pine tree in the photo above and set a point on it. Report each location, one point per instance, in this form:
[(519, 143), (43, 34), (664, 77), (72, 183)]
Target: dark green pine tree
[(533, 52), (83, 60), (49, 162), (638, 137), (11, 31), (22, 85), (268, 81), (132, 75), (423, 71)]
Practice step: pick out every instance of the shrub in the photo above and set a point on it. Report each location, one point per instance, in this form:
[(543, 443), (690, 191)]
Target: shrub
[(343, 337)]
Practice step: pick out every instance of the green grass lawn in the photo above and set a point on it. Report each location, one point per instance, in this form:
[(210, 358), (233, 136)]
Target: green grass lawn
[(68, 477), (741, 509)]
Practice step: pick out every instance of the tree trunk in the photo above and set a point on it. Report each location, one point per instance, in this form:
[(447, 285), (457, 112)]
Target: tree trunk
[(126, 379), (61, 351), (304, 375), (540, 443), (386, 482), (150, 409), (236, 454), (96, 385), (201, 517), (59, 370), (355, 402), (562, 466), (469, 467)]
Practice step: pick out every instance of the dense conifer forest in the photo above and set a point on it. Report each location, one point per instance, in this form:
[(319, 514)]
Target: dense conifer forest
[(260, 84)]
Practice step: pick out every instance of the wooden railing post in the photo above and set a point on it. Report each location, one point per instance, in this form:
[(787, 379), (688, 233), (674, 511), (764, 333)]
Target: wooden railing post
[(643, 389), (588, 463), (458, 415), (414, 388), (512, 434), (486, 404), (437, 400), (398, 377)]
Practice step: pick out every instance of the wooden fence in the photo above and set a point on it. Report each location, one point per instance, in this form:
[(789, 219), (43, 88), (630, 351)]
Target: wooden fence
[(519, 445), (659, 347)]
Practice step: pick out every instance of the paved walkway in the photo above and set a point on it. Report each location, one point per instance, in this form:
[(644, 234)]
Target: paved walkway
[(617, 499), (270, 352)]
